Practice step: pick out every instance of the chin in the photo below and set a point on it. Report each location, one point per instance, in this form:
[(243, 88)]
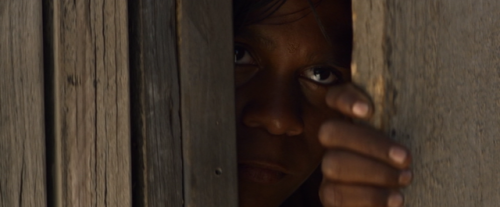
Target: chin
[(267, 192)]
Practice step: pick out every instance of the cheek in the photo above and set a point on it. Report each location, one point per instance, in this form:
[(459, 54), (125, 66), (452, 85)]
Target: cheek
[(314, 115), (243, 95), (313, 150), (314, 94)]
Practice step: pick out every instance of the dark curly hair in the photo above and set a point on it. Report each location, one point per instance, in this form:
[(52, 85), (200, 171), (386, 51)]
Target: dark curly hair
[(247, 12), (258, 10)]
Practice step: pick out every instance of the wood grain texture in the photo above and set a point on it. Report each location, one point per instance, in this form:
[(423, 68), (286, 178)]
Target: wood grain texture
[(22, 133), (192, 165), (438, 65), (89, 40), (369, 66), (157, 146), (207, 102)]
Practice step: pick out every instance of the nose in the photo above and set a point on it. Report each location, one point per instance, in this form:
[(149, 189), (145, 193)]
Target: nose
[(275, 109)]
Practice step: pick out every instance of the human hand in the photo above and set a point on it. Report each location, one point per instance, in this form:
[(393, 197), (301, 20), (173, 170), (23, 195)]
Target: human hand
[(361, 167)]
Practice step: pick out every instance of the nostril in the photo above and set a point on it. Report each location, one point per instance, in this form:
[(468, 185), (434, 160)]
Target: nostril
[(284, 131), (275, 125), (276, 119), (281, 127)]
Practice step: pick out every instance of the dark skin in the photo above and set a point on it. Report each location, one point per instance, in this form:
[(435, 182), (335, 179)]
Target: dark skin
[(295, 105)]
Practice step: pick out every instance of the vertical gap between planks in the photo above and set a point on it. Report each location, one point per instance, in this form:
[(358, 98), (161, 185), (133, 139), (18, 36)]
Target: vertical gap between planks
[(53, 176), (177, 51), (138, 170), (48, 102)]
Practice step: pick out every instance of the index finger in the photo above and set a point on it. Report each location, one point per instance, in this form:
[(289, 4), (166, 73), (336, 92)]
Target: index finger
[(337, 134), (350, 101)]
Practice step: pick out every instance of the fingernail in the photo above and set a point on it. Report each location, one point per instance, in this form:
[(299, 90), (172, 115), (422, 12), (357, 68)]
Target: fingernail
[(397, 155), (405, 177), (395, 200), (360, 109)]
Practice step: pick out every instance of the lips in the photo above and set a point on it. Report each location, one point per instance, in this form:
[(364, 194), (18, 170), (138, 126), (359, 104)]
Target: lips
[(264, 173)]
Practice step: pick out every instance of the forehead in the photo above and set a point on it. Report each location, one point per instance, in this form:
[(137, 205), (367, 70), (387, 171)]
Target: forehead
[(293, 33), (333, 15), (284, 41), (279, 11), (290, 10), (295, 21)]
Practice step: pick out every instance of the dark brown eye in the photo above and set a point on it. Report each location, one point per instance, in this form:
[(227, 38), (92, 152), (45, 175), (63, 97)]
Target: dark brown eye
[(322, 75), (242, 56)]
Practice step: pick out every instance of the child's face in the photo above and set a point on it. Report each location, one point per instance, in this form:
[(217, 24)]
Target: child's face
[(284, 66)]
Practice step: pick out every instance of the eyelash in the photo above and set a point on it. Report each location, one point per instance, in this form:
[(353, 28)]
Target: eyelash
[(306, 74), (247, 53), (334, 73)]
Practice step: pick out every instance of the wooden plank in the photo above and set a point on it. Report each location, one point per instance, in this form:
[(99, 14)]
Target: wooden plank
[(91, 124), (433, 67), (207, 102), (157, 149), (194, 165), (22, 133), (369, 66)]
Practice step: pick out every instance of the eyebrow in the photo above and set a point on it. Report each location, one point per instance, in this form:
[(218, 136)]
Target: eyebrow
[(312, 57), (326, 57), (257, 37)]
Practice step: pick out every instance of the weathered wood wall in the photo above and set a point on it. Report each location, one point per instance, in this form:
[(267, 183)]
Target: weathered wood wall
[(184, 128), (89, 129), (183, 147), (156, 119), (22, 132), (433, 68), (207, 102)]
